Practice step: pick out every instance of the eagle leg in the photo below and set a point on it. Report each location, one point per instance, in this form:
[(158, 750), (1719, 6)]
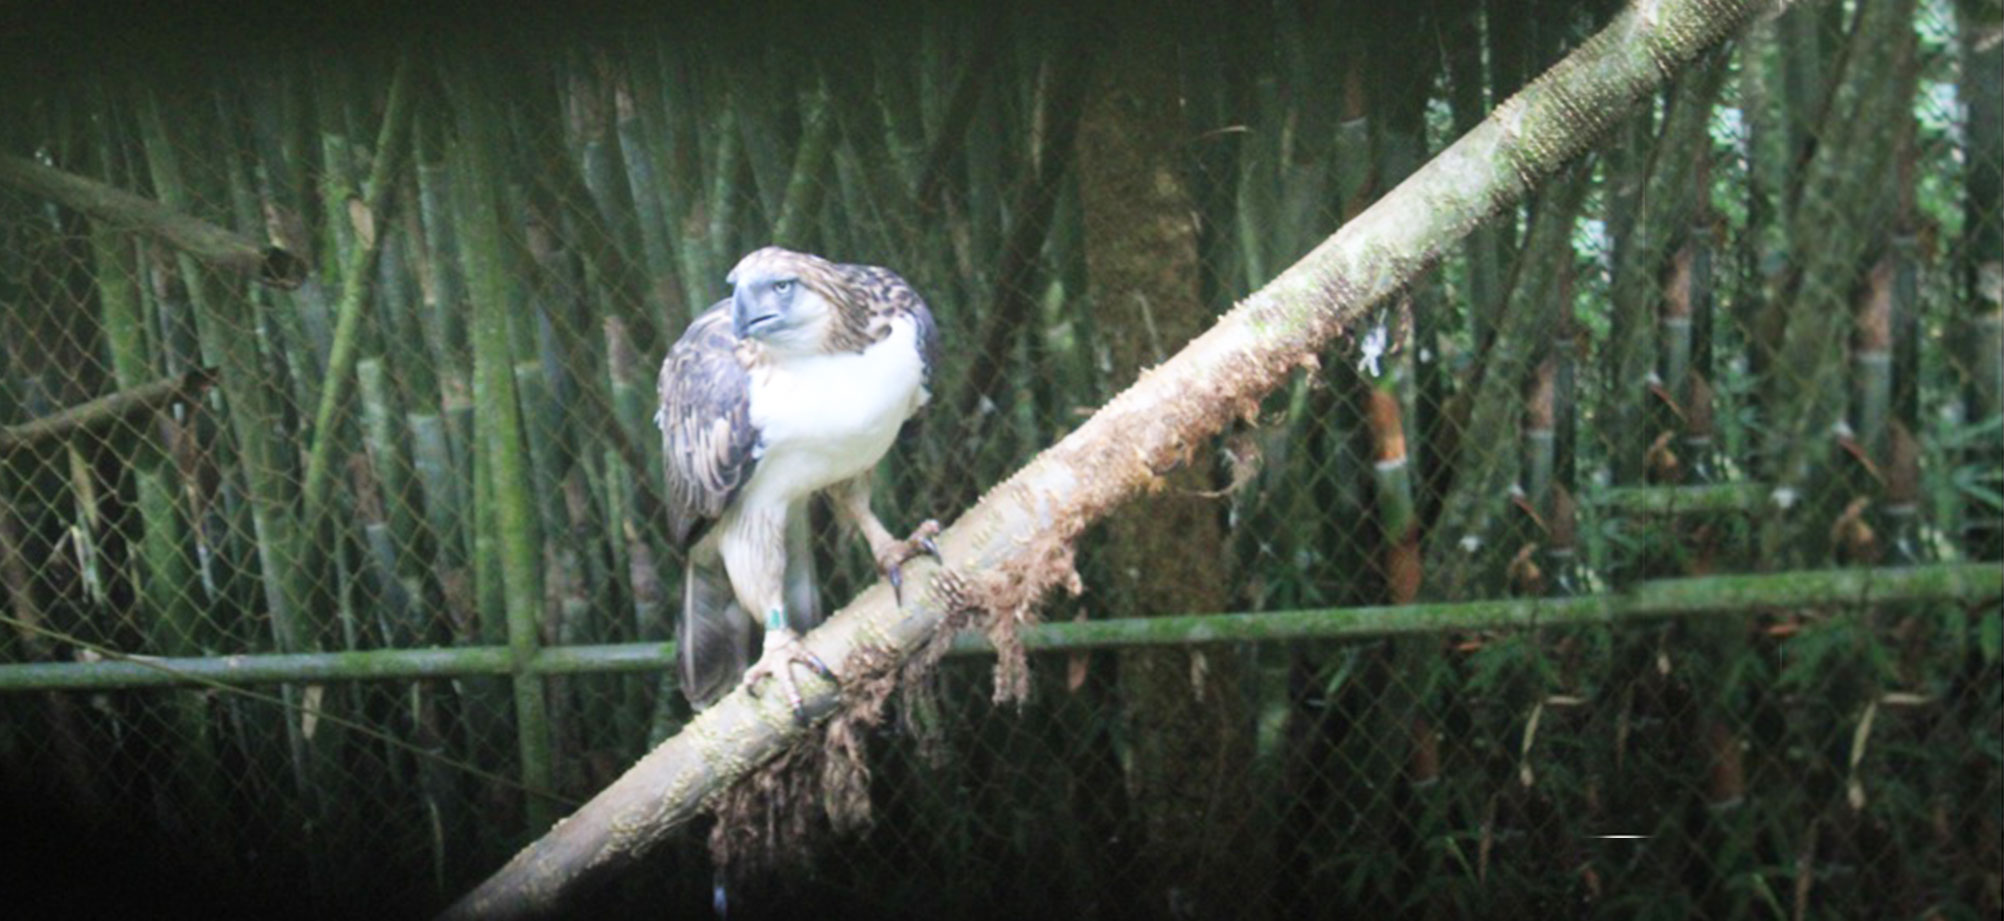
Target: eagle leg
[(784, 650), (852, 501)]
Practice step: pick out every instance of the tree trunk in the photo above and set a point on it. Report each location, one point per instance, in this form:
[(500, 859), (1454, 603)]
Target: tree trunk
[(1166, 552)]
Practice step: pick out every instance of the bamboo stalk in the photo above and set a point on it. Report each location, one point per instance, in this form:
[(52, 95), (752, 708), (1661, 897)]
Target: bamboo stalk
[(337, 192), (1483, 468), (974, 217), (1661, 214), (397, 484), (1338, 439), (1675, 338), (592, 130), (1010, 303), (1983, 528), (601, 244), (441, 487), (445, 320), (357, 222), (399, 313), (653, 197), (356, 271), (1484, 248), (1559, 507), (897, 99), (167, 578), (634, 576), (1539, 440), (951, 138), (296, 326), (1696, 395), (502, 450), (809, 174), (1872, 362), (643, 619), (1399, 100), (1829, 237), (1398, 520), (1767, 179), (255, 408), (245, 208), (542, 431), (1982, 284), (720, 208), (255, 404)]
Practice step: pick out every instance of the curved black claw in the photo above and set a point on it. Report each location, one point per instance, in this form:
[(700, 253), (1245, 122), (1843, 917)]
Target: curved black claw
[(809, 659), (893, 558)]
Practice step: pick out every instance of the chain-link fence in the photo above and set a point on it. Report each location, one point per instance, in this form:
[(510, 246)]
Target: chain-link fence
[(330, 500)]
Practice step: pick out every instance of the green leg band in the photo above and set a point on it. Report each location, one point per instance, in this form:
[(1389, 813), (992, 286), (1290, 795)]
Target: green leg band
[(775, 618)]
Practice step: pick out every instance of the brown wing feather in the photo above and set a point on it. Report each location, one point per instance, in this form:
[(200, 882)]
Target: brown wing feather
[(884, 293), (708, 444)]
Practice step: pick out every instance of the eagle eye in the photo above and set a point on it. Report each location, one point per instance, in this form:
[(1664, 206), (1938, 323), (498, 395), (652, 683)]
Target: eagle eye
[(782, 286)]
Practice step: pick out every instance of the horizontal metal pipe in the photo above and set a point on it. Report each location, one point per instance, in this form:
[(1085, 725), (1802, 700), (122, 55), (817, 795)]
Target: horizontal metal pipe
[(306, 668), (1661, 598), (1967, 582)]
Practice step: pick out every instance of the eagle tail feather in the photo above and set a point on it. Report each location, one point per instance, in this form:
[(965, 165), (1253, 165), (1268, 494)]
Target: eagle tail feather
[(715, 639), (803, 598)]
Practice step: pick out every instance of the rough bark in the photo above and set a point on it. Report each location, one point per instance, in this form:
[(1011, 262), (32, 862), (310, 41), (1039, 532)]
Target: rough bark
[(1166, 550), (1013, 545)]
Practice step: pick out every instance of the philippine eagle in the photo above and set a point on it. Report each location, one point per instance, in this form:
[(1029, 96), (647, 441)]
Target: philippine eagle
[(795, 385)]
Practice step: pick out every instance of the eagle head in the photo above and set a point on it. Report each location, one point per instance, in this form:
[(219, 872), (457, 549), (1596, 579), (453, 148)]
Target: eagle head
[(791, 302)]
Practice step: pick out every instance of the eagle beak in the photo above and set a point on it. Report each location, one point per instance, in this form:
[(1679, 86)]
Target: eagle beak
[(747, 316)]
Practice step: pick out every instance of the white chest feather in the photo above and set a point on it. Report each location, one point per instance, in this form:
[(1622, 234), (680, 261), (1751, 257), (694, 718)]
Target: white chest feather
[(825, 418)]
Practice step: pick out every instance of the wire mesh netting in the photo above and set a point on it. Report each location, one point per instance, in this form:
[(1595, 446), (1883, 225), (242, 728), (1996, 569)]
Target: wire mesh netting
[(331, 524)]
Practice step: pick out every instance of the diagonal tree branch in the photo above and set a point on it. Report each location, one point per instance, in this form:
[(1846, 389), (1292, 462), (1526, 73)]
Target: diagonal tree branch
[(1015, 543), (124, 407), (208, 242)]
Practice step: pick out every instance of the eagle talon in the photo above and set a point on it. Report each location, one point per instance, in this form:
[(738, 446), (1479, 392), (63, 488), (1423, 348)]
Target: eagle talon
[(784, 650), (809, 659), (893, 555)]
